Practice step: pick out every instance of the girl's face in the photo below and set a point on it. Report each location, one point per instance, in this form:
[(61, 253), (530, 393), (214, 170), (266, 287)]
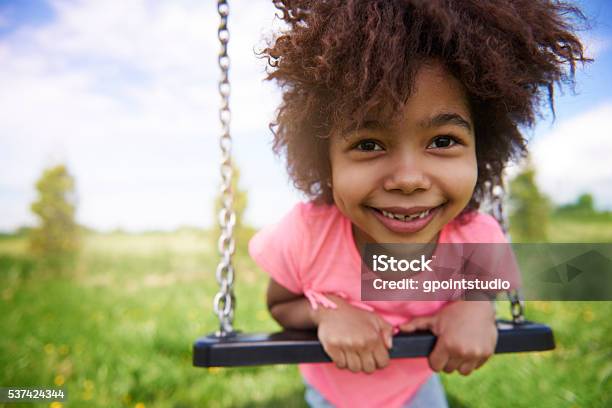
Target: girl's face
[(385, 175)]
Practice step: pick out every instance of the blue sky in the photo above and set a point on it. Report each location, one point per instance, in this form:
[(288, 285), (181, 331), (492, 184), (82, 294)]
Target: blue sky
[(17, 13), (125, 94), (593, 83)]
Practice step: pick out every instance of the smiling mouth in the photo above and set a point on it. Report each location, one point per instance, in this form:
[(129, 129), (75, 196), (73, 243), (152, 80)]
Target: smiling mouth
[(405, 218), (401, 220)]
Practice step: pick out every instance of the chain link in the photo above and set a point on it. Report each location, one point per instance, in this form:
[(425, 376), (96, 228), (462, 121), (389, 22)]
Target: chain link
[(497, 206), (224, 302), (517, 305)]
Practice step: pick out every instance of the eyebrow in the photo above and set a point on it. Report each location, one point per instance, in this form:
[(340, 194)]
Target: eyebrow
[(446, 118), (370, 124), (441, 119)]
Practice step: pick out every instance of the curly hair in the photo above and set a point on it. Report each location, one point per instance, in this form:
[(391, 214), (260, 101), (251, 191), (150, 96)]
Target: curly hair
[(339, 60)]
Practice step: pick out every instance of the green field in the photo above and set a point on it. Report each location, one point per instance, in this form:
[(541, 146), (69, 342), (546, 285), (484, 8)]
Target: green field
[(117, 332)]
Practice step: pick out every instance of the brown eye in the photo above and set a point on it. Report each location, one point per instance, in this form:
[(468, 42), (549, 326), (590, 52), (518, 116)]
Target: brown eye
[(442, 142), (368, 146)]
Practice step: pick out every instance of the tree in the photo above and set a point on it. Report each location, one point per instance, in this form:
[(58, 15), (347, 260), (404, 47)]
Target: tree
[(584, 206), (57, 233), (529, 207), (586, 203)]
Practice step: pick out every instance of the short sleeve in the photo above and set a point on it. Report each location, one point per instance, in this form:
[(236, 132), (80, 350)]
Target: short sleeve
[(276, 249), (486, 229), (498, 259)]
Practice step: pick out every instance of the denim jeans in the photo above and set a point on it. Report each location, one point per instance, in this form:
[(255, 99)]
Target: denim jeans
[(429, 395)]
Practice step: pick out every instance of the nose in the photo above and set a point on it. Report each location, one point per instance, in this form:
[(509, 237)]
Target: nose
[(407, 174)]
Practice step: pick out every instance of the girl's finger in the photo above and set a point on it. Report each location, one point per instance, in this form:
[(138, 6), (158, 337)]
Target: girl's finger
[(438, 358), (387, 335), (467, 367), (418, 323), (353, 361), (481, 362), (452, 364), (368, 364), (340, 359), (386, 330), (337, 356), (381, 357)]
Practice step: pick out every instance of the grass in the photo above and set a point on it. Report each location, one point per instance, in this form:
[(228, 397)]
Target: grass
[(118, 332)]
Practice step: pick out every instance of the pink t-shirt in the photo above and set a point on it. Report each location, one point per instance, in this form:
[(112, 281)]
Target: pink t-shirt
[(312, 249)]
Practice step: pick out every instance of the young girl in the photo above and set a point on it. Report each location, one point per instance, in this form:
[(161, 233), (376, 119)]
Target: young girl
[(398, 118)]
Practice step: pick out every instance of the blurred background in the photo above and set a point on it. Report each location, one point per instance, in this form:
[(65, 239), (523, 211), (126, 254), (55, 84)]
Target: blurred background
[(109, 186)]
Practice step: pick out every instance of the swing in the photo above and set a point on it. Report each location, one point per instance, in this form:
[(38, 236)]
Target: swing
[(229, 348)]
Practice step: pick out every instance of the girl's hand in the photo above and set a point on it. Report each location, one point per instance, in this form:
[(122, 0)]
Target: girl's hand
[(355, 339), (466, 333)]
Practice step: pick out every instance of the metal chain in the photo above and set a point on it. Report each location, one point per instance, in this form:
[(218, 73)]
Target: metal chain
[(225, 301), (517, 305)]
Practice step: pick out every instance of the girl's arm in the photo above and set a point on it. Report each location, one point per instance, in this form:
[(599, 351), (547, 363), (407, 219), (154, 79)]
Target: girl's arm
[(353, 338), (466, 333), (290, 310)]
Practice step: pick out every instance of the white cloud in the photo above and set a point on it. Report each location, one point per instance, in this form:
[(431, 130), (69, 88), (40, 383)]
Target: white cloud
[(126, 93), (574, 157), (596, 45)]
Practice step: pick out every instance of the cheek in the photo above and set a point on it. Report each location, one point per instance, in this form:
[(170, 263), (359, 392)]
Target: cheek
[(467, 177), (459, 180), (352, 182), (346, 184)]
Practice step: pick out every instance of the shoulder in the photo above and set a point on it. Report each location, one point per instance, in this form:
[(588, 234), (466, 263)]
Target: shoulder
[(318, 216), (284, 248), (276, 248), (303, 223), (305, 216), (475, 227)]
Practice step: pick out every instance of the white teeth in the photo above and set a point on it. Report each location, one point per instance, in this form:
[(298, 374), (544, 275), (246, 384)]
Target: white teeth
[(405, 217)]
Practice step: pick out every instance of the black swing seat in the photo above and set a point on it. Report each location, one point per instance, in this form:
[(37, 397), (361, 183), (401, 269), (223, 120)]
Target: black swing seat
[(301, 346)]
